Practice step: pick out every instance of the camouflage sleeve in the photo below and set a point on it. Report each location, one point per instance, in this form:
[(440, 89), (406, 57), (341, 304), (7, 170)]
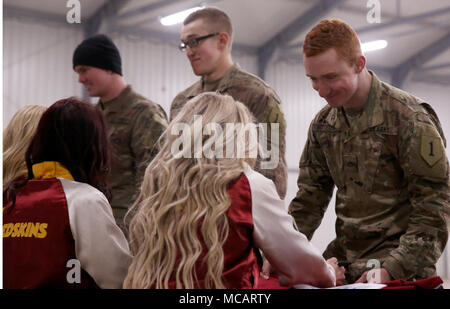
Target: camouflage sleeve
[(425, 166), (177, 104), (274, 166), (315, 188), (149, 125)]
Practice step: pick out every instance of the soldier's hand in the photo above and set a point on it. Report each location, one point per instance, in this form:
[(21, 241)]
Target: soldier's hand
[(379, 275), (340, 271)]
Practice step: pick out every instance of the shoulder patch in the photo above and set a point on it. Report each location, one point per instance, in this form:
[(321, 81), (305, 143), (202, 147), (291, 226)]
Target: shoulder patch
[(427, 154), (432, 149), (435, 120)]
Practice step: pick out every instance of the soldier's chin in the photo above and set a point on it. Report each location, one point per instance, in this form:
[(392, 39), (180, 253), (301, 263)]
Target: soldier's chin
[(92, 93), (198, 72), (333, 102)]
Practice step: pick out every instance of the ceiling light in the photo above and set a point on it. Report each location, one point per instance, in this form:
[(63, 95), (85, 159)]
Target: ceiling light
[(179, 17), (374, 45)]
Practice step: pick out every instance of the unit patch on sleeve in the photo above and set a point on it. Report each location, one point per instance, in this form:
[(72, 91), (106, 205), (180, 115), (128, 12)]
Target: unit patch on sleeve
[(431, 149)]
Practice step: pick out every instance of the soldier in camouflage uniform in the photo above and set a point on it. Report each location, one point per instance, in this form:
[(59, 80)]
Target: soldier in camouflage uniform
[(134, 122), (384, 151), (207, 38)]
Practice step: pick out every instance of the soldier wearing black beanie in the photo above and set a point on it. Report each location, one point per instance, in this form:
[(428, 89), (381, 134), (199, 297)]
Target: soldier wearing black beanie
[(98, 51), (134, 122)]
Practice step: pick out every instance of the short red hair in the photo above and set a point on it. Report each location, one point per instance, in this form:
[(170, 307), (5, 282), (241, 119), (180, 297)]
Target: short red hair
[(332, 33)]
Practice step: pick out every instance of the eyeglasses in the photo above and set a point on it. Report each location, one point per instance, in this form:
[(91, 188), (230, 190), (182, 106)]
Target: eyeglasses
[(194, 41)]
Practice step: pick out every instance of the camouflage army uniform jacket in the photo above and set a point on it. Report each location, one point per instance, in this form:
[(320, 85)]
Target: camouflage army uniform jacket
[(263, 103), (391, 174), (134, 125)]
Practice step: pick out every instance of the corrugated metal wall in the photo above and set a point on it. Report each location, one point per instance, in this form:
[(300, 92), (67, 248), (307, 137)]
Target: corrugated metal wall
[(37, 66)]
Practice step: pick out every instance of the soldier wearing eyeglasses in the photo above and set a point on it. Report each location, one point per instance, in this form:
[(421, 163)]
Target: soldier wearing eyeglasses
[(207, 37)]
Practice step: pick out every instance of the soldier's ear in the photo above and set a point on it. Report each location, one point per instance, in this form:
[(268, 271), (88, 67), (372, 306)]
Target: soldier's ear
[(224, 40), (360, 63)]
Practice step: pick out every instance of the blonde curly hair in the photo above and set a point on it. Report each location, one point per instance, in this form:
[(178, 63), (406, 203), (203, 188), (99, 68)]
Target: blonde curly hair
[(181, 214), (16, 139)]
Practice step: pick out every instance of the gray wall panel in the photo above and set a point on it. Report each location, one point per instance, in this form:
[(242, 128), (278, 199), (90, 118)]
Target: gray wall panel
[(37, 64)]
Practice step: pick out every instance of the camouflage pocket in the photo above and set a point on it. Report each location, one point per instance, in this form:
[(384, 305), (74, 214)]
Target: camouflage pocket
[(119, 130), (350, 166), (329, 141), (367, 148)]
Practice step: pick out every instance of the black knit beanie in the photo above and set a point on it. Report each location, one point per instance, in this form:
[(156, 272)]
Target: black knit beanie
[(98, 51)]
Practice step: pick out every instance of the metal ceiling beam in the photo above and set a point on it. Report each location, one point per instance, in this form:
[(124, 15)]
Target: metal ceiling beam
[(416, 30), (435, 79), (147, 8), (102, 19), (436, 67), (398, 21), (292, 30), (392, 35), (154, 6), (386, 16), (146, 33), (419, 59), (10, 11), (171, 38), (403, 20)]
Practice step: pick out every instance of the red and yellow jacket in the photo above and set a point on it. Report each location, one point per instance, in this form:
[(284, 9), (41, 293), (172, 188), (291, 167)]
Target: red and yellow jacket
[(55, 223)]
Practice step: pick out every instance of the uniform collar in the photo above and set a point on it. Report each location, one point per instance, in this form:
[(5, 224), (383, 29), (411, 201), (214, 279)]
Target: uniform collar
[(227, 79), (223, 85), (50, 169), (372, 114), (118, 102)]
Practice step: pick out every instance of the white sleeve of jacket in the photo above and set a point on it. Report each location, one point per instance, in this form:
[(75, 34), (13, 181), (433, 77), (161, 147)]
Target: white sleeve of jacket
[(100, 245), (289, 252)]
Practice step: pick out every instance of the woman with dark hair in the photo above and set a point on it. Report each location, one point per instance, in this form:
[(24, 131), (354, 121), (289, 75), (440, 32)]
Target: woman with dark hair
[(58, 227)]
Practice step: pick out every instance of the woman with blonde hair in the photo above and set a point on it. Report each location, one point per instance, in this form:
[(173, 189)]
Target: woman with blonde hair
[(16, 138), (200, 218)]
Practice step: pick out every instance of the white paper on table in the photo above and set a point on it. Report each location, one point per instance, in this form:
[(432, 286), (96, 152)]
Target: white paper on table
[(354, 286)]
